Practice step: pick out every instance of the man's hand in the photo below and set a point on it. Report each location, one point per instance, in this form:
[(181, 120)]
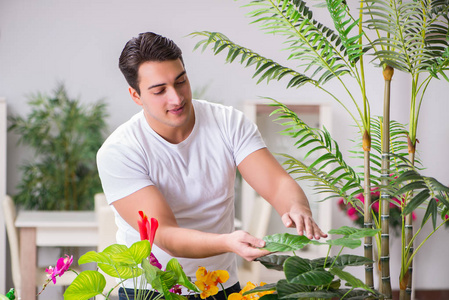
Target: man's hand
[(245, 245), (300, 217)]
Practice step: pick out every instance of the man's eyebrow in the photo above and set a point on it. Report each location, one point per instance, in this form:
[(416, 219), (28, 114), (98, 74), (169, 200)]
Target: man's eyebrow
[(162, 84)]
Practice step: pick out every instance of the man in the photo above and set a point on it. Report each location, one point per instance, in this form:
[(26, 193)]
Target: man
[(176, 160)]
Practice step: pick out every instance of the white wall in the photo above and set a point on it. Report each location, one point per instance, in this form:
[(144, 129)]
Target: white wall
[(79, 42)]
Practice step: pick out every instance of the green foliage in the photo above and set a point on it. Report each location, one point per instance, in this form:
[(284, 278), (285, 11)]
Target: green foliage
[(424, 192), (64, 136), (342, 181), (316, 278), (410, 36), (414, 38), (121, 262), (9, 296), (398, 147), (86, 285), (265, 68)]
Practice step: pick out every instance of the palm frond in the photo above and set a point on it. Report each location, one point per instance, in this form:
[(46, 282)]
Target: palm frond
[(398, 148), (426, 192), (324, 52), (344, 24), (266, 68), (341, 181), (415, 34)]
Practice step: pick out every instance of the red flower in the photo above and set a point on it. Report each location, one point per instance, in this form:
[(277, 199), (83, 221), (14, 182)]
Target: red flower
[(147, 229)]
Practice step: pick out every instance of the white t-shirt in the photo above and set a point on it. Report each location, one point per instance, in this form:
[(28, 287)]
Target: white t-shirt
[(196, 176)]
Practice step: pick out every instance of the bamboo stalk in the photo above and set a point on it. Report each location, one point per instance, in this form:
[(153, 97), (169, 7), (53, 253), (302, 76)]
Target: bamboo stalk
[(368, 218), (405, 285), (385, 174)]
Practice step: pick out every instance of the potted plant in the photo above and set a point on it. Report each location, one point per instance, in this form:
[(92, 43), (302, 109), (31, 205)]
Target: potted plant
[(64, 136), (408, 36), (312, 279)]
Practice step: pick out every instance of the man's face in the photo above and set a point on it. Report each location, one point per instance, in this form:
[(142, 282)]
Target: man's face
[(165, 97)]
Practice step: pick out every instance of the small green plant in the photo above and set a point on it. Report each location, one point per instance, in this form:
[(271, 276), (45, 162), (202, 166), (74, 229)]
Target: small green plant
[(319, 278), (9, 296), (65, 136)]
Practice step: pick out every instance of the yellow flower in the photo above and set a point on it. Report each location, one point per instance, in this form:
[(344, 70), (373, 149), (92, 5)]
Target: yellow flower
[(254, 296), (207, 281)]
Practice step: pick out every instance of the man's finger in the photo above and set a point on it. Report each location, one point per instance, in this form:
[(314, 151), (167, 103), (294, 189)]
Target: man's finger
[(309, 227), (288, 222)]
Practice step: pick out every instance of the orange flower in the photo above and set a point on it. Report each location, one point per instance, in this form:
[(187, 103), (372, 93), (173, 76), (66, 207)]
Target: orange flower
[(207, 281), (249, 286)]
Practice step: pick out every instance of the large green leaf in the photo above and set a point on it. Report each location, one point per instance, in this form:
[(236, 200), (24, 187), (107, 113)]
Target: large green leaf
[(275, 262), (183, 279), (344, 260), (102, 257), (299, 270), (354, 233), (345, 242), (261, 288), (350, 279), (86, 285), (163, 281), (117, 260), (321, 294), (357, 294), (273, 296), (285, 289), (285, 242), (150, 271), (134, 255)]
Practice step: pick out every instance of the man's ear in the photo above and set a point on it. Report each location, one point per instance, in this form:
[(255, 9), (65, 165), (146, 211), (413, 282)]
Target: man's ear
[(135, 96)]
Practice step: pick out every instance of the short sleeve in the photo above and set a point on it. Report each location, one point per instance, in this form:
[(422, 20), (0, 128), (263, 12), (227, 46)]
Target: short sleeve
[(245, 137), (122, 171)]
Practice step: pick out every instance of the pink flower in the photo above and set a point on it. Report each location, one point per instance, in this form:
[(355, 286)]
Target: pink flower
[(360, 197), (62, 265), (154, 261), (375, 206), (352, 213), (176, 289)]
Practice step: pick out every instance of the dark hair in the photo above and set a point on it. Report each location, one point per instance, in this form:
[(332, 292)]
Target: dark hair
[(145, 47)]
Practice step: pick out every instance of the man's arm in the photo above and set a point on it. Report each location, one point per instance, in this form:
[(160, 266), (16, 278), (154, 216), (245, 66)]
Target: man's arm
[(183, 242), (265, 175)]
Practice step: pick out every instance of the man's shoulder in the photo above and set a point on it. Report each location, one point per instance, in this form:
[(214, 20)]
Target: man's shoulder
[(126, 133), (214, 108)]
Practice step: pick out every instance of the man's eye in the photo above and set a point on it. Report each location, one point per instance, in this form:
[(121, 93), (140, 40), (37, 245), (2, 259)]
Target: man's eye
[(159, 92), (181, 81)]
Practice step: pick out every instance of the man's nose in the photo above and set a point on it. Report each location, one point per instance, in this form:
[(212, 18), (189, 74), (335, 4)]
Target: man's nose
[(175, 96)]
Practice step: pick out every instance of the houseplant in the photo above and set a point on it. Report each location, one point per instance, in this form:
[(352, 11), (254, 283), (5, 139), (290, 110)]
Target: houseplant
[(312, 279), (135, 262), (64, 135), (409, 36)]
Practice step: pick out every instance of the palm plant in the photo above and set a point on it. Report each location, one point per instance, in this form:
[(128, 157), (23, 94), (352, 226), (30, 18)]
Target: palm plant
[(65, 137), (410, 37)]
